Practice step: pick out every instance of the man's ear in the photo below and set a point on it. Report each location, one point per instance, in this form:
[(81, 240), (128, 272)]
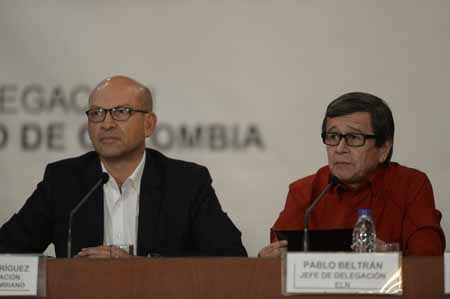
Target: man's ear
[(384, 151), (150, 123)]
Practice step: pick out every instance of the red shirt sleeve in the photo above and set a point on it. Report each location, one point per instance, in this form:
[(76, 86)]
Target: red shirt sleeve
[(297, 201), (421, 226)]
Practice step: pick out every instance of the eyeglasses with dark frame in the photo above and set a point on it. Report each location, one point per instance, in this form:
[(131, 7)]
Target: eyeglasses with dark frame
[(97, 115), (351, 139)]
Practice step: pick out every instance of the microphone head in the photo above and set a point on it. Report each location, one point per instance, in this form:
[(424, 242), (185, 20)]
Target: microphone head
[(104, 177), (333, 180)]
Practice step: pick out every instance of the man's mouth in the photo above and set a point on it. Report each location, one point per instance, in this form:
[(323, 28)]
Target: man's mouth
[(108, 139), (342, 163)]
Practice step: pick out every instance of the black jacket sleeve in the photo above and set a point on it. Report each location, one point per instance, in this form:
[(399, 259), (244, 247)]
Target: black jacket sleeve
[(213, 231), (30, 230)]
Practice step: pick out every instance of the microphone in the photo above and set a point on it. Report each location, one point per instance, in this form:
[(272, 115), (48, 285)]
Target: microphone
[(332, 181), (103, 179)]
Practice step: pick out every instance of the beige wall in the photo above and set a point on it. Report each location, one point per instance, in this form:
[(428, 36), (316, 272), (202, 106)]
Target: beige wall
[(269, 65)]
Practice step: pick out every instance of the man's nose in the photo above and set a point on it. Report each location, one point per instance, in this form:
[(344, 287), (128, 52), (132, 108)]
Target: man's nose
[(342, 146), (108, 122)]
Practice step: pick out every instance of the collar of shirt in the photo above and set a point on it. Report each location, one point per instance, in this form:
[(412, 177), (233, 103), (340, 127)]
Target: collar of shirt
[(133, 181), (374, 184)]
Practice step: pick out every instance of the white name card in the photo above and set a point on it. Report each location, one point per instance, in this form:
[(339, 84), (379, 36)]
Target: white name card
[(18, 275), (349, 273), (447, 272)]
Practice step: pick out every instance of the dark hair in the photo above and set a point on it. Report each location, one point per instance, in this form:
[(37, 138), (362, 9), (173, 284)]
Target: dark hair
[(380, 115)]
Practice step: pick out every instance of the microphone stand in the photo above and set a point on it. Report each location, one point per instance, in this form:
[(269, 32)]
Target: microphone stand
[(99, 183), (333, 180)]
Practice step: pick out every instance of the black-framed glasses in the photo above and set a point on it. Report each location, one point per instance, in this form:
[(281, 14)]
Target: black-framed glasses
[(97, 115), (351, 139)]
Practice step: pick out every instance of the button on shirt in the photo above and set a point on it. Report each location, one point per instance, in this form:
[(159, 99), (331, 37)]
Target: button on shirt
[(121, 208)]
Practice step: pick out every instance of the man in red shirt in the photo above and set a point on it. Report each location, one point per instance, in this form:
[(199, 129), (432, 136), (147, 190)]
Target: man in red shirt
[(358, 131)]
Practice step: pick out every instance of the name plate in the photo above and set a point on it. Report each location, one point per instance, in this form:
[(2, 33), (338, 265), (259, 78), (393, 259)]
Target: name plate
[(447, 272), (18, 275), (349, 273)]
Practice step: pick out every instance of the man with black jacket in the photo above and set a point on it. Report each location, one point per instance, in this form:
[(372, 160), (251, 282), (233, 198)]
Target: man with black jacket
[(159, 205)]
